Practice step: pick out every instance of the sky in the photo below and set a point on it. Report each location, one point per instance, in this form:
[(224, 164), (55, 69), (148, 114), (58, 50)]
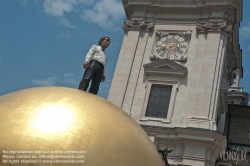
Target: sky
[(44, 42)]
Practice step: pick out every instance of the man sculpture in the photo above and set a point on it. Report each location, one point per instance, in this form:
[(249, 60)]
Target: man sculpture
[(95, 66)]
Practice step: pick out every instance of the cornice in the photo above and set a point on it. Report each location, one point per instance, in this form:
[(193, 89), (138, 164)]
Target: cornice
[(181, 138), (191, 3), (201, 8), (238, 98), (185, 133), (177, 73)]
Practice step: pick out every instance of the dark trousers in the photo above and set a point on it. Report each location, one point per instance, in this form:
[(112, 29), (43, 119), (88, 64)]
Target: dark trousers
[(95, 73)]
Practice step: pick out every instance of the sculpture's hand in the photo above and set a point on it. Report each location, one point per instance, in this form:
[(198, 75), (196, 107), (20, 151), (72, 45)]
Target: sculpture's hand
[(86, 65), (103, 78)]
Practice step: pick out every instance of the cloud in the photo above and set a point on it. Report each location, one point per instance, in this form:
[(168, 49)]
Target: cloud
[(33, 61), (105, 13), (68, 75), (67, 79), (45, 81), (65, 35), (65, 23), (82, 33), (57, 8), (70, 81), (245, 31), (23, 2)]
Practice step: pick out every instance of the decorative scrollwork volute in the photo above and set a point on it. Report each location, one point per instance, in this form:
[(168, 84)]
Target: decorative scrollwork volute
[(204, 26), (236, 101), (138, 25)]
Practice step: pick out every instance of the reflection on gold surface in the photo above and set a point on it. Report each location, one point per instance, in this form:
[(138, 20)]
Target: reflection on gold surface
[(53, 118), (64, 120)]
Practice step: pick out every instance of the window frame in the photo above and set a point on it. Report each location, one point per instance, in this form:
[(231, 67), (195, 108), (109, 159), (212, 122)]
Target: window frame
[(175, 87), (158, 111)]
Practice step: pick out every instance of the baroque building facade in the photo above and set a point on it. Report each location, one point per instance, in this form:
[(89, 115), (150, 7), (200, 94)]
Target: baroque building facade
[(177, 62)]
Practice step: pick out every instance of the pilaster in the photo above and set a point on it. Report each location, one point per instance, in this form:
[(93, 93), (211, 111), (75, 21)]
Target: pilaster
[(129, 63), (123, 67), (129, 97)]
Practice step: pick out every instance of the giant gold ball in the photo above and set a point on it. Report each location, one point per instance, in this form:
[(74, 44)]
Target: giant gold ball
[(64, 126)]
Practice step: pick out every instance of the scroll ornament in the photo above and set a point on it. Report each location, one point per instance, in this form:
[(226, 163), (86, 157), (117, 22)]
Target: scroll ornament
[(213, 26), (159, 34), (135, 24), (236, 101)]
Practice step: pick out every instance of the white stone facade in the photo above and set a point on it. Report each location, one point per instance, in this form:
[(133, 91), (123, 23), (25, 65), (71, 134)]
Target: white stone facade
[(200, 85)]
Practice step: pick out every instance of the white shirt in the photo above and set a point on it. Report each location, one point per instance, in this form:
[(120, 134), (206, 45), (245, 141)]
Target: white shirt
[(96, 53)]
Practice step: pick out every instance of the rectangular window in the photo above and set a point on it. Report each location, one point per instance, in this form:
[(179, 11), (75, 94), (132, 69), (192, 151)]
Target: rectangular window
[(158, 102)]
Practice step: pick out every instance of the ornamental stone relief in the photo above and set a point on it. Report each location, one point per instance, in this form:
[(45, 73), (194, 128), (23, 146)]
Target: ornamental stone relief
[(205, 26), (236, 101), (159, 34), (138, 25), (235, 78), (237, 96)]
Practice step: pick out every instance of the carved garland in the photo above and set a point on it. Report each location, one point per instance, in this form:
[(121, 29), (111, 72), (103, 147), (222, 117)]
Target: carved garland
[(237, 101), (159, 34), (139, 25), (213, 26), (234, 98)]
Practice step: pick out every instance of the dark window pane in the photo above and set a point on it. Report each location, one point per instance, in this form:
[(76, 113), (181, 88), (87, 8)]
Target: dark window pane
[(162, 112), (156, 93), (166, 94), (152, 111), (159, 101), (155, 100)]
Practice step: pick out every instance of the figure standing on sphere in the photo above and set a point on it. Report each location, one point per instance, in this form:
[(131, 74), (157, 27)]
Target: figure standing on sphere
[(95, 66)]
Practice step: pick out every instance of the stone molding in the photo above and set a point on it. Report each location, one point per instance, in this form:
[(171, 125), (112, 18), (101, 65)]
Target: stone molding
[(165, 67), (147, 8), (238, 100), (182, 140), (236, 96), (187, 34), (205, 26), (137, 25)]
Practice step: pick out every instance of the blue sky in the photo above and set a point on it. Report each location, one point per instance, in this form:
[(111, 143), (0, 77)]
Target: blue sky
[(44, 42)]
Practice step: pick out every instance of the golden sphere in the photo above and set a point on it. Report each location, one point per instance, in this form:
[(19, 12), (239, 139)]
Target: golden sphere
[(64, 126)]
